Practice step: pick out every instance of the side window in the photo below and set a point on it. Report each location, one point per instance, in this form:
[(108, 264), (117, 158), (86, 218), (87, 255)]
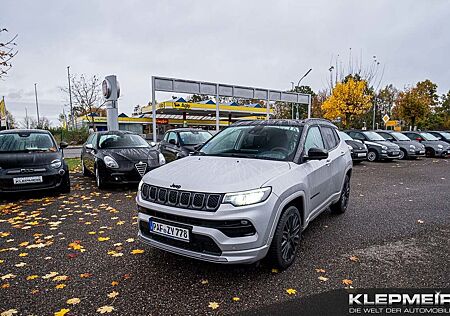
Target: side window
[(89, 139), (329, 137), (313, 139), (166, 137), (173, 136), (358, 136), (385, 135)]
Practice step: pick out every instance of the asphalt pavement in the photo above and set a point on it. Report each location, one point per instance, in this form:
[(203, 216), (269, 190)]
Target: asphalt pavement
[(78, 254), (72, 152)]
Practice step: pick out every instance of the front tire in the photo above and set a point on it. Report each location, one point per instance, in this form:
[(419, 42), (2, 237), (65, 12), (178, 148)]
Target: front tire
[(98, 179), (403, 154), (84, 169), (429, 152), (372, 156), (65, 185), (341, 206), (285, 242)]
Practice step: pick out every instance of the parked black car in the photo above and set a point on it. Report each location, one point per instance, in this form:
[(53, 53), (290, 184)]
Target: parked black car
[(118, 157), (409, 149), (357, 148), (181, 142), (433, 146), (30, 160), (442, 135), (379, 148)]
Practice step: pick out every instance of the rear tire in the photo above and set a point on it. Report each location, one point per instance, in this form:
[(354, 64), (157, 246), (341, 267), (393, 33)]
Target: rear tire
[(83, 169), (372, 156), (285, 242), (341, 206)]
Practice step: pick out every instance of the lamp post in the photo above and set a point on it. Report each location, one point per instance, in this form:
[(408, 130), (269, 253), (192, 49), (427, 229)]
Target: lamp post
[(37, 105), (70, 98), (298, 86)]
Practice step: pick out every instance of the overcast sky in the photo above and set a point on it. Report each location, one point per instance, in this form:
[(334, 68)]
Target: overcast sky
[(265, 44)]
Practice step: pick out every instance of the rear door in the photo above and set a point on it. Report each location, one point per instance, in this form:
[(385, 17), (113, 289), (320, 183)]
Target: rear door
[(317, 170), (171, 147), (336, 160)]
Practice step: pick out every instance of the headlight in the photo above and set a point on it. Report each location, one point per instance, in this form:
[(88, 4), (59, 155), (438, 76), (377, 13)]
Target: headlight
[(110, 162), (56, 164), (440, 146), (162, 160), (350, 147), (412, 146), (247, 197), (384, 147)]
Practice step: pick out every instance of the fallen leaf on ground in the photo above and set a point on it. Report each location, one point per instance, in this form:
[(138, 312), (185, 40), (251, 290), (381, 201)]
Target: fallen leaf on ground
[(85, 275), (320, 270), (291, 291), (32, 277), (9, 312), (420, 221), (73, 301), (113, 294), (204, 281), (114, 283), (236, 299), (347, 282), (274, 270), (105, 309), (103, 238), (137, 251), (62, 312), (60, 286), (213, 305)]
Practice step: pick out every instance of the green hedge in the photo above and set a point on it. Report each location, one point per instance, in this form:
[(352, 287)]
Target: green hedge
[(73, 137)]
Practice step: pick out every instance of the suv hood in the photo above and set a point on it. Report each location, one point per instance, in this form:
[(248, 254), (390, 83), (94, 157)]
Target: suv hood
[(27, 159), (216, 174)]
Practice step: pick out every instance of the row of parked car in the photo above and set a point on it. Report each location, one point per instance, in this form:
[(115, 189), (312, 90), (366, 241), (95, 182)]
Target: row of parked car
[(243, 195), (389, 145)]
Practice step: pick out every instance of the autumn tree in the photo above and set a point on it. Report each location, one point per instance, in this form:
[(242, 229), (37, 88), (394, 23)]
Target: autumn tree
[(86, 96), (349, 99), (7, 52)]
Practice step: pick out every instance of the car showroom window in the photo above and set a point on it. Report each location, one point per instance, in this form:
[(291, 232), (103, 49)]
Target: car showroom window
[(313, 139), (328, 137)]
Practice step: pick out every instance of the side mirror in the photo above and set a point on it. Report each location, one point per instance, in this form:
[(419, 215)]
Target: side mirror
[(89, 146), (63, 145), (172, 141), (317, 154), (153, 144)]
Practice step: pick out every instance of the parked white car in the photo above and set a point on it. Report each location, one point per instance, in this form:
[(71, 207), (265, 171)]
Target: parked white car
[(248, 193)]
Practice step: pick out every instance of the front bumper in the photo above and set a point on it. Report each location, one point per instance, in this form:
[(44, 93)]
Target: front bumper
[(209, 243), (390, 154), (359, 155), (51, 179), (123, 175)]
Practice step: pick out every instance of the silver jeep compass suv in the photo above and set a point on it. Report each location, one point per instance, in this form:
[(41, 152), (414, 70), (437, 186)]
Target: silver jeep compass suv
[(248, 193)]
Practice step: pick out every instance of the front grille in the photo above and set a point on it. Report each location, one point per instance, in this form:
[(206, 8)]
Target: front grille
[(141, 167), (197, 243), (182, 199), (231, 228)]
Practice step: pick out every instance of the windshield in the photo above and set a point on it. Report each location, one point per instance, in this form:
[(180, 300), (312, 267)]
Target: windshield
[(445, 135), (25, 142), (428, 136), (255, 141), (190, 138), (108, 141), (400, 136), (345, 136), (373, 136)]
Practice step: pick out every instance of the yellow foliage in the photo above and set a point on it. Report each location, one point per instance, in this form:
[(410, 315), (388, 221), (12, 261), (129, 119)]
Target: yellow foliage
[(348, 99)]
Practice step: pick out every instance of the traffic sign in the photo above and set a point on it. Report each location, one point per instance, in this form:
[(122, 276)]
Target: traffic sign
[(385, 118)]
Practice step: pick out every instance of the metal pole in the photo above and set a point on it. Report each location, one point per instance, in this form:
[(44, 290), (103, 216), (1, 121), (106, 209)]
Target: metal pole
[(298, 84), (70, 98), (153, 109), (309, 106), (374, 110), (217, 108), (37, 105), (268, 105), (26, 118)]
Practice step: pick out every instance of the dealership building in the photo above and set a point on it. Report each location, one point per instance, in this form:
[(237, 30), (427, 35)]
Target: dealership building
[(180, 113)]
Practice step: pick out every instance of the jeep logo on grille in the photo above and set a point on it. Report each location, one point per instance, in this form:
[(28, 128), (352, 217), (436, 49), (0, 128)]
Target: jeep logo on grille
[(175, 186)]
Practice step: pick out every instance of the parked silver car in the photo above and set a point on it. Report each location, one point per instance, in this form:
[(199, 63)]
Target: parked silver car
[(248, 193)]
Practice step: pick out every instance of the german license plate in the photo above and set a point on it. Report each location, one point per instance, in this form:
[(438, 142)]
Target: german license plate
[(362, 155), (26, 180), (169, 230)]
